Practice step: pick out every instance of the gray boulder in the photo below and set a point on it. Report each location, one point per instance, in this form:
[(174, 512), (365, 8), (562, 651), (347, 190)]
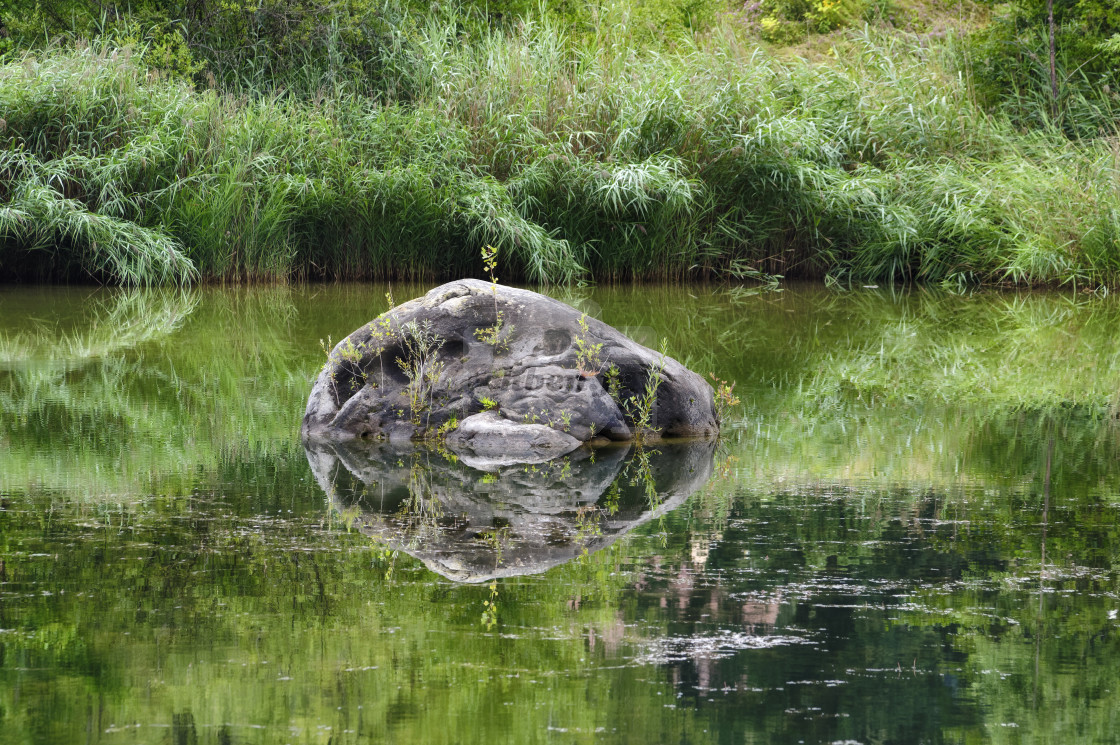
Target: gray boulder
[(500, 371)]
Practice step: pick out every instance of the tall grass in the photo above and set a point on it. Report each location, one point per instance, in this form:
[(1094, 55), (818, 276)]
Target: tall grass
[(592, 160), (107, 167)]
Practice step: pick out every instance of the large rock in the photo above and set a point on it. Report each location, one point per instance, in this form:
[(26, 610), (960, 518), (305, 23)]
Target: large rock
[(441, 365)]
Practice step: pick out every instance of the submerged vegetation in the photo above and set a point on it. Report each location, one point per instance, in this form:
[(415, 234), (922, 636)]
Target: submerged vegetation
[(581, 151)]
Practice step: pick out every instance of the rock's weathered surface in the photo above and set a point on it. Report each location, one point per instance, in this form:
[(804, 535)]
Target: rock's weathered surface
[(441, 357), (490, 437)]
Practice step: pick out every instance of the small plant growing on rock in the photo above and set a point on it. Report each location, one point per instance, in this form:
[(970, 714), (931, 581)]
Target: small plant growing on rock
[(725, 397), (346, 352), (488, 404), (640, 408), (445, 429), (562, 420), (587, 353), (421, 366), (381, 334), (614, 384), (493, 335)]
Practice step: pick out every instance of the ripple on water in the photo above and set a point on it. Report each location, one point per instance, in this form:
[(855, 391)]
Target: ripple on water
[(715, 646)]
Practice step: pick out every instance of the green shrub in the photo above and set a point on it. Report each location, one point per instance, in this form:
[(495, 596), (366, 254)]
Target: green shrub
[(1008, 62), (788, 21), (576, 158)]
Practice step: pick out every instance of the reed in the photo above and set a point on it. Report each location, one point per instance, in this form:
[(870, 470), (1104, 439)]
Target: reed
[(589, 158)]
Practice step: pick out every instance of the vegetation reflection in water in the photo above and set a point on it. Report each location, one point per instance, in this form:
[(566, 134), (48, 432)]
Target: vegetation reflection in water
[(473, 521), (909, 535)]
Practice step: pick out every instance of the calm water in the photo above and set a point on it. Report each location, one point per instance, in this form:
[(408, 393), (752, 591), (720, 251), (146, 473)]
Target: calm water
[(911, 533)]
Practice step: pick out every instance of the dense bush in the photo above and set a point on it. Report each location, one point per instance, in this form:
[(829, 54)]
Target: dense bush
[(1008, 61), (787, 21), (253, 45), (595, 161)]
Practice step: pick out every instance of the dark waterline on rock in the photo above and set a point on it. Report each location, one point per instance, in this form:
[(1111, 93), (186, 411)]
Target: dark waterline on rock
[(909, 535)]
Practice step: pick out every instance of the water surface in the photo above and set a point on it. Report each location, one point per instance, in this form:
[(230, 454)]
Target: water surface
[(909, 534)]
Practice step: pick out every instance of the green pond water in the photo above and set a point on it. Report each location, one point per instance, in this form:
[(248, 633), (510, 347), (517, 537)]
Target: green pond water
[(909, 533)]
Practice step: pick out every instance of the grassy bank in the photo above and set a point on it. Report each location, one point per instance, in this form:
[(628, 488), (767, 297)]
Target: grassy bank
[(603, 160)]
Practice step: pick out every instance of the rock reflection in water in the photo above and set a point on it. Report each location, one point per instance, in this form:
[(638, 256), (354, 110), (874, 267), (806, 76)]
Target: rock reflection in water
[(476, 521)]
